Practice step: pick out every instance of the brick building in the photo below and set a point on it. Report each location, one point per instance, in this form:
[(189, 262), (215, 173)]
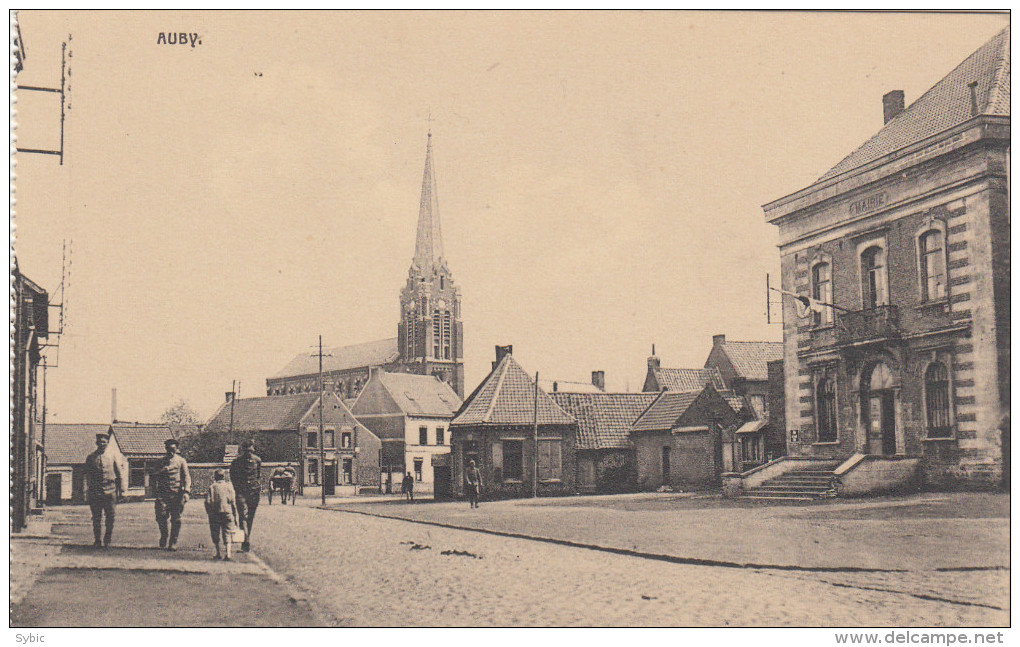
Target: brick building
[(286, 430), (430, 333), (744, 367), (495, 428), (908, 239)]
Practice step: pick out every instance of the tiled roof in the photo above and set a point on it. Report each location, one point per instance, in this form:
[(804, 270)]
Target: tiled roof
[(751, 358), (945, 105), (688, 379), (273, 413), (663, 413), (604, 419), (421, 395), (568, 387), (735, 401), (373, 353), (141, 439), (70, 444), (507, 397)]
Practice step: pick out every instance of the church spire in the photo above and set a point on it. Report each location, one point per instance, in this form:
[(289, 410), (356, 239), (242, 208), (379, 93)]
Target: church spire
[(428, 249)]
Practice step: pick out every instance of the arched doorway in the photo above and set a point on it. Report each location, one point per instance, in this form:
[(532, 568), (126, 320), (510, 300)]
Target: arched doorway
[(878, 409)]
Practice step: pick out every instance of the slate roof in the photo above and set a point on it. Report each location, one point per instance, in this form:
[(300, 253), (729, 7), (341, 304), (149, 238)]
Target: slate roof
[(751, 359), (688, 379), (70, 444), (142, 439), (421, 395), (272, 413), (604, 419), (507, 397), (373, 353), (665, 411), (945, 105)]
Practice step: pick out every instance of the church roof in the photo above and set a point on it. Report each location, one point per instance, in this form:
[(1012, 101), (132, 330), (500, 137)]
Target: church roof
[(428, 247), (604, 419), (945, 105), (507, 397), (373, 353), (688, 379)]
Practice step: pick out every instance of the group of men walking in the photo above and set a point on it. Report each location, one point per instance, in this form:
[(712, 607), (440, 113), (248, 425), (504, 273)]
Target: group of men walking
[(107, 482)]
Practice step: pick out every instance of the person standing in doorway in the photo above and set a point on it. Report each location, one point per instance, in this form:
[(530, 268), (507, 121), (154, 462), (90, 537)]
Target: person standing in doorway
[(474, 484), (407, 487), (246, 475), (107, 481), (173, 488)]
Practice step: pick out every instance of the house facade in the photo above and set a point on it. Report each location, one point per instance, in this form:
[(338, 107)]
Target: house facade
[(496, 428), (744, 367), (411, 415), (29, 329), (903, 252), (686, 439), (338, 453), (605, 459)]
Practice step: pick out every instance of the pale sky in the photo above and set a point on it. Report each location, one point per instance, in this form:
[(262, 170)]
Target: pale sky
[(600, 181)]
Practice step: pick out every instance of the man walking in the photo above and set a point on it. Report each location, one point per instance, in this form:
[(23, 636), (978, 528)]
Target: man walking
[(474, 484), (246, 475), (173, 488), (107, 480), (407, 487)]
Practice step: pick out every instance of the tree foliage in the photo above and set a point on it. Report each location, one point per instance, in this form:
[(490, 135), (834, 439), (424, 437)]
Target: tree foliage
[(180, 413)]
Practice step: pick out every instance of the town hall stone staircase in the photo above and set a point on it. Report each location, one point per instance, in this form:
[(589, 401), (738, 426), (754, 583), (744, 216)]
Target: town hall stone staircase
[(818, 482)]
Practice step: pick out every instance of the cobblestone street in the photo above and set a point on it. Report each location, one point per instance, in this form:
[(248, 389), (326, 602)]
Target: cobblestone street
[(354, 568)]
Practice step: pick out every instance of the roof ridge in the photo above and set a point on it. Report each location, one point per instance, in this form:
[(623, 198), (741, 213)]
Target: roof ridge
[(1001, 64), (495, 392)]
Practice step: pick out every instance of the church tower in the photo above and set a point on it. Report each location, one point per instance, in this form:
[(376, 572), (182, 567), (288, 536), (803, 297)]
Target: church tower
[(430, 333)]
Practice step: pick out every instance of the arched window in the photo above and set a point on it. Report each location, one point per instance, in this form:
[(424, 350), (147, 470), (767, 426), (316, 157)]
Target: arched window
[(933, 266), (936, 398), (873, 281), (825, 408), (821, 290)]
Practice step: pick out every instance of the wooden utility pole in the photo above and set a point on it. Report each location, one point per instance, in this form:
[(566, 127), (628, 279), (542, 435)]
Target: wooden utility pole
[(233, 396), (322, 432), (534, 446)]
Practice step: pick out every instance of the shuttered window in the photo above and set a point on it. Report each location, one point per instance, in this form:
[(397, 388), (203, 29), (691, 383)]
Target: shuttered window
[(550, 460), (936, 395)]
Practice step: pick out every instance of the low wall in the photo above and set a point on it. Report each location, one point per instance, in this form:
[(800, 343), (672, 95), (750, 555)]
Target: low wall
[(877, 474), (202, 476)]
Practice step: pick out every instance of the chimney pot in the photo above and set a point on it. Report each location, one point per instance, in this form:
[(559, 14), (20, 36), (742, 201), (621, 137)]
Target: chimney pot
[(892, 105), (718, 339), (556, 387), (229, 395), (598, 379)]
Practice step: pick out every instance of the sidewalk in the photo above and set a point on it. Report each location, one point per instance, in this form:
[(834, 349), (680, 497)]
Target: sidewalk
[(59, 580)]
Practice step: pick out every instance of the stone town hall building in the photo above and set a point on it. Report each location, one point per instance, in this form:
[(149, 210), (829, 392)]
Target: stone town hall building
[(430, 335), (908, 238)]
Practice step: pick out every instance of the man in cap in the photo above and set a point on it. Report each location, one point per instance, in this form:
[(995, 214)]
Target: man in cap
[(246, 476), (173, 487), (107, 480)]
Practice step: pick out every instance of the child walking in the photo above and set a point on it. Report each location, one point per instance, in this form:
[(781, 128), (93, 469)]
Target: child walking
[(222, 511)]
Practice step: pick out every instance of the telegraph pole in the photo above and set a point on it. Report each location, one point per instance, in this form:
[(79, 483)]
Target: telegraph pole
[(322, 431), (233, 396), (534, 445)]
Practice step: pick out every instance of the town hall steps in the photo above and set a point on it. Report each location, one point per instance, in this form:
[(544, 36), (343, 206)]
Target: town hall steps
[(817, 482)]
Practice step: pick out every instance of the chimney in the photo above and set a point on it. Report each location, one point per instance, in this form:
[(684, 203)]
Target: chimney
[(556, 387), (973, 98), (113, 404), (229, 395), (653, 361), (374, 372), (501, 352), (598, 379), (718, 340), (892, 104)]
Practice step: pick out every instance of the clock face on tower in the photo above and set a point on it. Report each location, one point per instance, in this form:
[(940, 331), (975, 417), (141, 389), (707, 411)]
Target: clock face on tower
[(441, 304)]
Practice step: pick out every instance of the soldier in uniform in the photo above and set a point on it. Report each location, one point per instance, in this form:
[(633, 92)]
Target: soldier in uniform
[(246, 475), (173, 488), (107, 480)]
